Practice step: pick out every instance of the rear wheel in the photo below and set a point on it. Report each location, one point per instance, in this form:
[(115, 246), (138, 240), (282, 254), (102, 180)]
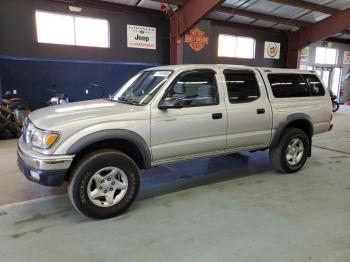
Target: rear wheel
[(104, 184), (291, 153)]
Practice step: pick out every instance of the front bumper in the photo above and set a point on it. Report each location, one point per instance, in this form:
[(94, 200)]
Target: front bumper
[(45, 170)]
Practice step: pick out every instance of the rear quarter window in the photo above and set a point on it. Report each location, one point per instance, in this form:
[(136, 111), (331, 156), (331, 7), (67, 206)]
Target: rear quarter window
[(295, 85), (315, 85), (288, 85)]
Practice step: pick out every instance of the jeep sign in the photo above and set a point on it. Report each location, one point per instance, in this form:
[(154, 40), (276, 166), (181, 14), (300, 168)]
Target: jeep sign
[(141, 37)]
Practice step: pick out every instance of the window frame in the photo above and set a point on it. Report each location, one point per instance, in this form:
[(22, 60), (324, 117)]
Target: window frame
[(325, 55), (74, 27), (237, 36), (242, 71), (181, 74)]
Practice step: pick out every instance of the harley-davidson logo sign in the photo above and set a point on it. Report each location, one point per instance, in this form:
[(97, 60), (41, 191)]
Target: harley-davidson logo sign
[(196, 39)]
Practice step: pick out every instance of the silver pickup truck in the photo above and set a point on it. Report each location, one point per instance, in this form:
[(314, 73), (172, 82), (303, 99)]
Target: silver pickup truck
[(168, 114)]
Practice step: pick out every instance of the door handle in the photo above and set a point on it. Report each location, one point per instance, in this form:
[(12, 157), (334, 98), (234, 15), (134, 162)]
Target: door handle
[(217, 116), (260, 111)]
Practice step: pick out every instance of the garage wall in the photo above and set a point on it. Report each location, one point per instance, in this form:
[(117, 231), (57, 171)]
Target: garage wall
[(30, 67), (209, 53), (18, 34)]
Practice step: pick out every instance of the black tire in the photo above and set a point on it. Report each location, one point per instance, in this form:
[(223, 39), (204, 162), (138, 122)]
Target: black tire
[(7, 125), (86, 168), (278, 154), (335, 106)]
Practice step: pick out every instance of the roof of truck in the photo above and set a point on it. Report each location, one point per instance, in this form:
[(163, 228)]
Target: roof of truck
[(226, 66)]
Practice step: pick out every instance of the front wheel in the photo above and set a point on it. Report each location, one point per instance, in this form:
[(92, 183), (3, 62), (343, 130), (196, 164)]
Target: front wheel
[(103, 184), (292, 151)]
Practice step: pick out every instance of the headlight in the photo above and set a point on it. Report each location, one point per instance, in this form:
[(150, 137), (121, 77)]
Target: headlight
[(41, 139)]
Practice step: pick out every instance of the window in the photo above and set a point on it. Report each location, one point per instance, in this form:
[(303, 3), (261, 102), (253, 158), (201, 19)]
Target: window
[(315, 85), (196, 88), (236, 46), (65, 29), (141, 89), (325, 55), (242, 86), (288, 85)]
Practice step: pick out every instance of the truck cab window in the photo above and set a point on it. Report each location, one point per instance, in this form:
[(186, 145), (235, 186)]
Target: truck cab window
[(242, 86), (196, 88)]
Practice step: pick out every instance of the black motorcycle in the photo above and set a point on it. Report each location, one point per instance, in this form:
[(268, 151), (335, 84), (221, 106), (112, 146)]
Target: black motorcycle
[(13, 111), (335, 104), (58, 98)]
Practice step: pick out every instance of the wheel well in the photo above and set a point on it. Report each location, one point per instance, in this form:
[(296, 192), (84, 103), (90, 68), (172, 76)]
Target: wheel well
[(304, 125), (125, 146)]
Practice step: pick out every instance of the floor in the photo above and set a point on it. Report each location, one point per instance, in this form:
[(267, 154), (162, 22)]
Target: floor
[(230, 208)]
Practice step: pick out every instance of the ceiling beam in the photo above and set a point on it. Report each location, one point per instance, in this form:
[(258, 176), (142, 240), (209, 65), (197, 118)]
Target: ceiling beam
[(316, 32), (308, 5), (113, 7), (183, 19), (193, 12), (246, 13), (260, 16), (323, 29)]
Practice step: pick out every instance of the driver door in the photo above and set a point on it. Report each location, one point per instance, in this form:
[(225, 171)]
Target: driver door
[(195, 129)]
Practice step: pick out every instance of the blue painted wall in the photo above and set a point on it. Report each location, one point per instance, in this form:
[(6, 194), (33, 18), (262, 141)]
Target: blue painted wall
[(30, 77)]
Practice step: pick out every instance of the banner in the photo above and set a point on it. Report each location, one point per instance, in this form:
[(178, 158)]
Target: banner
[(346, 60), (272, 50), (304, 53), (141, 37)]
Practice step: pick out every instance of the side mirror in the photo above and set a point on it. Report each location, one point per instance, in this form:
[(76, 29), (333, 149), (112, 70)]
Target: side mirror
[(170, 102)]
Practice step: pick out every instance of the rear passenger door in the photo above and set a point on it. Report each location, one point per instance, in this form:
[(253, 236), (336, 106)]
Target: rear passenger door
[(248, 110)]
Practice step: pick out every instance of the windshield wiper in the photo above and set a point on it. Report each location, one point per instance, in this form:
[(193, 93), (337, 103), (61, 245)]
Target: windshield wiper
[(127, 101)]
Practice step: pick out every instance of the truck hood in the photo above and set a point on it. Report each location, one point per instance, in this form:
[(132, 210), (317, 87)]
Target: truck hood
[(92, 112)]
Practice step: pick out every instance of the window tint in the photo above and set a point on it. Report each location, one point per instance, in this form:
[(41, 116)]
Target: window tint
[(288, 85), (242, 87), (197, 88), (315, 85)]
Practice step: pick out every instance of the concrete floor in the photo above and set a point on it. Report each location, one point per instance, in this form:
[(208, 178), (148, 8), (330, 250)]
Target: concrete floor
[(230, 208)]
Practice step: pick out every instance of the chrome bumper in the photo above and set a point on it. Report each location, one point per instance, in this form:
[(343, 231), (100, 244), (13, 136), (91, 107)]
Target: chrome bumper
[(47, 163)]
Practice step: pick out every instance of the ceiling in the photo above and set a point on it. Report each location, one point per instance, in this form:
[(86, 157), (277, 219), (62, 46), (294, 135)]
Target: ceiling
[(285, 15)]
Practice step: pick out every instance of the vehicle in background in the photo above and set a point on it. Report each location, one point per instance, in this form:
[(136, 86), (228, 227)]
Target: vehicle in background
[(13, 111), (58, 98), (168, 114), (335, 104)]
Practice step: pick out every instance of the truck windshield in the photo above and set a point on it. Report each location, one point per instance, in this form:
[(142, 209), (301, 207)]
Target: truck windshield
[(141, 88)]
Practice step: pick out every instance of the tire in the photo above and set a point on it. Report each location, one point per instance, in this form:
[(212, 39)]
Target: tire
[(335, 106), (279, 154), (83, 182)]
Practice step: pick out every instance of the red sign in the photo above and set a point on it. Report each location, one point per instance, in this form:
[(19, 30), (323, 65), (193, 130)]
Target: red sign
[(196, 39)]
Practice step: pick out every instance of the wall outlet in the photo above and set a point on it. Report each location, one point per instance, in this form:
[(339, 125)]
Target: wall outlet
[(87, 91), (14, 91)]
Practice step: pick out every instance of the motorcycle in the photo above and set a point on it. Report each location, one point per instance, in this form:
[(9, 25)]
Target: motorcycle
[(13, 111), (58, 98), (335, 104)]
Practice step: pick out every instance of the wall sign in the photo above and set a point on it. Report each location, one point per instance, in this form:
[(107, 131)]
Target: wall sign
[(141, 37), (346, 60), (196, 39), (304, 53), (272, 50)]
